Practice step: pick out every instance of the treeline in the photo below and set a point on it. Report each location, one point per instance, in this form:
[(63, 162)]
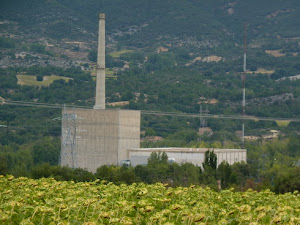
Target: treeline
[(272, 165), (237, 176), (20, 160)]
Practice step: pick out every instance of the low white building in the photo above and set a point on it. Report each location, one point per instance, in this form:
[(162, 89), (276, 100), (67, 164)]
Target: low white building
[(139, 156)]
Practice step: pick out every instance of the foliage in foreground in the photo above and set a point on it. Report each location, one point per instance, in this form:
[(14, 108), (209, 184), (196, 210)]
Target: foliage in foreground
[(46, 201)]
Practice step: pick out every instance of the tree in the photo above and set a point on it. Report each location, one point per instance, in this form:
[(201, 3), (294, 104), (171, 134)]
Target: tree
[(39, 48), (158, 158), (144, 173), (61, 173), (224, 174), (208, 175), (41, 170), (210, 160), (108, 173), (117, 174), (92, 56), (288, 182), (184, 175), (240, 173), (150, 132), (3, 165), (39, 78), (45, 152)]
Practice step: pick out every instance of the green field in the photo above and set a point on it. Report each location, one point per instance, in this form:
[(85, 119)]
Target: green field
[(46, 201), (282, 123), (30, 80), (109, 73), (262, 71), (117, 54)]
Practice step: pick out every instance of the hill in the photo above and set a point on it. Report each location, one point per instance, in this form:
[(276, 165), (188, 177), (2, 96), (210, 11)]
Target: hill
[(163, 55), (140, 23)]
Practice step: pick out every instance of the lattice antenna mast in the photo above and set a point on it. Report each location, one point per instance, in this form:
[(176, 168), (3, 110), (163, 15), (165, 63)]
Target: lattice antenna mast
[(203, 122), (244, 84), (200, 116), (68, 152)]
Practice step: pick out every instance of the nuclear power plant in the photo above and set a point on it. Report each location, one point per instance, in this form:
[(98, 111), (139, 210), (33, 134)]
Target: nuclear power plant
[(95, 137)]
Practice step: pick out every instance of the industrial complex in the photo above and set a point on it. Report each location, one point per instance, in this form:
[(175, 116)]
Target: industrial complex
[(95, 137)]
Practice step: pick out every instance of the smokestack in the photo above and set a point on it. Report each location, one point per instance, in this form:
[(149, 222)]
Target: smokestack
[(100, 82), (244, 85)]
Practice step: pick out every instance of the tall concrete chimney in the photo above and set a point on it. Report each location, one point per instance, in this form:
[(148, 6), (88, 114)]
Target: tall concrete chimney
[(100, 82)]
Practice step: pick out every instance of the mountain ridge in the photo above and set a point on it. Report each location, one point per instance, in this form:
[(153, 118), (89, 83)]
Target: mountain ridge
[(219, 19)]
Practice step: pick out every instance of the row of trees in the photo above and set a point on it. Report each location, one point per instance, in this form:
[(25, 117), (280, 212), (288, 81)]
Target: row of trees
[(238, 176), (40, 160)]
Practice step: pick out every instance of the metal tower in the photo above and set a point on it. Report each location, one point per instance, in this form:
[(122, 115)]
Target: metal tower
[(68, 140), (203, 122)]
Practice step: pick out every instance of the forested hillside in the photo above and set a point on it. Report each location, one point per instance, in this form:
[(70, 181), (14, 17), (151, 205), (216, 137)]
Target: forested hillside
[(147, 22), (169, 56)]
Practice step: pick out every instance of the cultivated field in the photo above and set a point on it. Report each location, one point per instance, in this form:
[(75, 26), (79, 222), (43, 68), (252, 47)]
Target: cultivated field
[(262, 71), (46, 201), (30, 80), (117, 54), (109, 73), (282, 123), (275, 53)]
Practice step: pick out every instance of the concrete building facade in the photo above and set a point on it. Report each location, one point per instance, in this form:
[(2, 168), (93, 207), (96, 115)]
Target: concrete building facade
[(92, 138), (95, 137), (139, 156)]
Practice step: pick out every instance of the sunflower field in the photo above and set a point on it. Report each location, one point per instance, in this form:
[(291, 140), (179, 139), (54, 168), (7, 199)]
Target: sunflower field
[(46, 201)]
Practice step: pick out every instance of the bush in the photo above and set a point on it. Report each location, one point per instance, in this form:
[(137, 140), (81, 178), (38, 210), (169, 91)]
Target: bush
[(38, 48), (39, 78)]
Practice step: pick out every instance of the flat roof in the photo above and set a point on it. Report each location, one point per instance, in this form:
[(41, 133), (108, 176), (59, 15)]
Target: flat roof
[(174, 149)]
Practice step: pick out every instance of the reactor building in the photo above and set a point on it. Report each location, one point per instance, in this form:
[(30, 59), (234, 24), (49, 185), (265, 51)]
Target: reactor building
[(95, 137)]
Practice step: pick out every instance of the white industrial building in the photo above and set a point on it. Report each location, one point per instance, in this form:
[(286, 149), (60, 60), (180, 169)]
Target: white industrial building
[(139, 156)]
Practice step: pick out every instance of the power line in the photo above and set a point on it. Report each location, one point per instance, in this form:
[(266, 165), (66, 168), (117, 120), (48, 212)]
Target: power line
[(159, 113), (43, 105), (234, 117)]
